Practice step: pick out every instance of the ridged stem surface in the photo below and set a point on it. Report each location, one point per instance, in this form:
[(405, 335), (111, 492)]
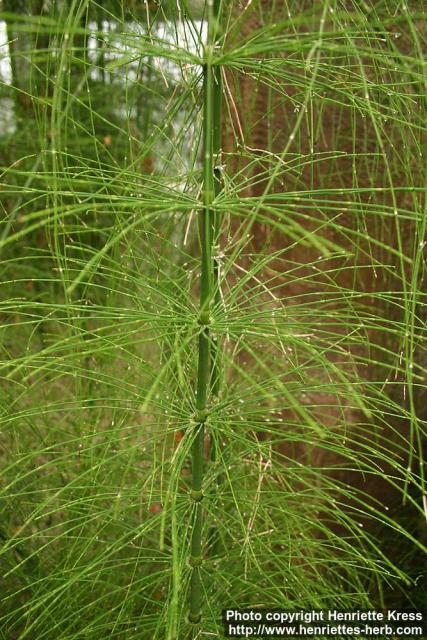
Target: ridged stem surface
[(206, 218)]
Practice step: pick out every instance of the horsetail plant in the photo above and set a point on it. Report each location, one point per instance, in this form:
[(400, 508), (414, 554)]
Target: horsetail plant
[(186, 428)]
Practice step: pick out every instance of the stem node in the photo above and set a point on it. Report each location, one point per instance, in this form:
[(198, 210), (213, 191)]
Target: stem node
[(196, 496), (195, 561)]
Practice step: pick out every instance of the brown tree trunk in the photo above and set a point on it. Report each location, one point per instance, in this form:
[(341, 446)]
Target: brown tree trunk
[(267, 120)]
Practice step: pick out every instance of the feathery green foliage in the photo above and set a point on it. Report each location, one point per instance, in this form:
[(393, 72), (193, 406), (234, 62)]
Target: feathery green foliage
[(293, 392)]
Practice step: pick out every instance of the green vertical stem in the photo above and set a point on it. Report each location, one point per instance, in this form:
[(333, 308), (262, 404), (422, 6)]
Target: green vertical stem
[(100, 43), (216, 229), (216, 218), (206, 290)]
